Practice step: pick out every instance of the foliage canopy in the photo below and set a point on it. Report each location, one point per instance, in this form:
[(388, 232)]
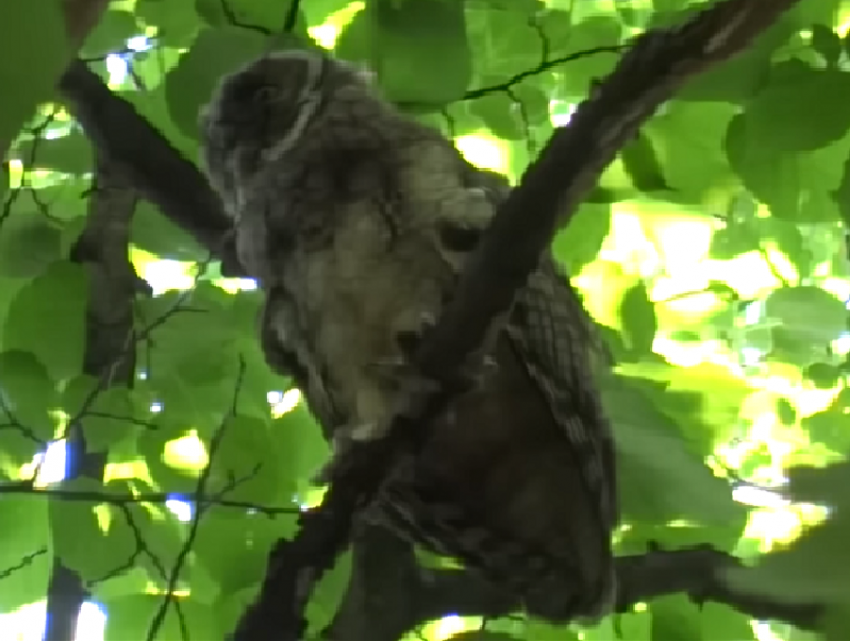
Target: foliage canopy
[(713, 250)]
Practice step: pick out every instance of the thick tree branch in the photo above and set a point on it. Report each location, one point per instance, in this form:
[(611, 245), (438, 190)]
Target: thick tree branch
[(150, 162), (659, 62), (432, 594), (109, 355)]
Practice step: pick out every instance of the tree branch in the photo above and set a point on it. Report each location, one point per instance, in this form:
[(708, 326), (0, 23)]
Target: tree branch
[(109, 355), (150, 162), (432, 594)]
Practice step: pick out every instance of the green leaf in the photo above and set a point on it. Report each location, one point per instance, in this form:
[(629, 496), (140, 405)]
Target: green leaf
[(164, 538), (28, 244), (532, 103), (76, 532), (506, 44), (4, 181), (827, 43), (737, 79), (641, 164), (826, 485), (131, 617), (254, 15), (154, 106), (27, 393), (354, 42), (327, 596), (190, 83), (107, 414), (175, 476), (675, 618), (24, 544), (785, 412), (587, 36), (543, 631), (501, 114), (70, 153), (248, 540), (47, 318), (110, 34), (807, 314), (579, 244), (772, 176), (779, 117), (17, 448), (33, 52), (638, 319), (692, 158), (811, 569), (659, 489), (247, 453), (485, 635), (823, 375), (420, 50), (318, 11), (187, 325), (789, 241), (740, 234), (300, 446), (176, 22), (154, 233), (841, 195), (830, 426), (816, 12)]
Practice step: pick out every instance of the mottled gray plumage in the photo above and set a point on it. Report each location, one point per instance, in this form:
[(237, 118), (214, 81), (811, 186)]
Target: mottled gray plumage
[(357, 221)]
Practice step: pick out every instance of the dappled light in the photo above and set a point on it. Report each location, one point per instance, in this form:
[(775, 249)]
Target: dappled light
[(150, 447)]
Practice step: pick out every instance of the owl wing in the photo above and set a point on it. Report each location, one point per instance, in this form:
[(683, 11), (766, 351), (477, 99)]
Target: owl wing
[(558, 343), (531, 499)]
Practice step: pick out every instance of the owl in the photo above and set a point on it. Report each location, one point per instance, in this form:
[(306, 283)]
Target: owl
[(357, 222)]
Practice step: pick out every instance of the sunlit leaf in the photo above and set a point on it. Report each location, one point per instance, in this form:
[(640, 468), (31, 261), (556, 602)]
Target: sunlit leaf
[(111, 33)]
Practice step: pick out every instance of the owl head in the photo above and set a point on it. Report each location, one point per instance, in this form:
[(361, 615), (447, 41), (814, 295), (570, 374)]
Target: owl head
[(260, 111)]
